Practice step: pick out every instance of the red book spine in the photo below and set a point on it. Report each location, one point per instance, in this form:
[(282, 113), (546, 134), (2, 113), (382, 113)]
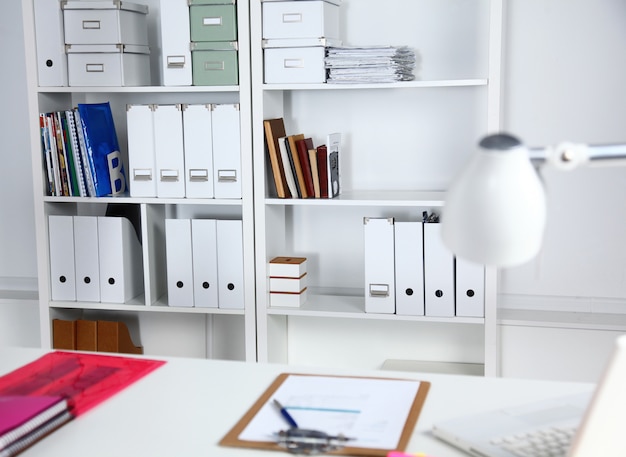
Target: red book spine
[(303, 153), (322, 169)]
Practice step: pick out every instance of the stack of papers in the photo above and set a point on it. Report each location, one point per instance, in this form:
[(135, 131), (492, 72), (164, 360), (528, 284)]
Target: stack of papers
[(370, 64)]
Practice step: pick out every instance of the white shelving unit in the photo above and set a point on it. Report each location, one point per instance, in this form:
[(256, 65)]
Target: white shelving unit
[(402, 143), (163, 330)]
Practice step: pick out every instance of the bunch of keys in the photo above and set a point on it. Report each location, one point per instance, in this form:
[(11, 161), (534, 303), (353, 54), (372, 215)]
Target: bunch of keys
[(309, 442)]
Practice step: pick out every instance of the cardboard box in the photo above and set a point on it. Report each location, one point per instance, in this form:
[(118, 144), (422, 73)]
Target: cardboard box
[(213, 22), (294, 65), (214, 63), (108, 65), (297, 19)]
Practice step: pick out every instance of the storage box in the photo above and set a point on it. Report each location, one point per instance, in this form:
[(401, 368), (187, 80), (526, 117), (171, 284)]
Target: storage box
[(213, 22), (287, 267), (294, 65), (108, 65), (105, 22), (214, 64), (298, 19), (289, 300), (293, 285)]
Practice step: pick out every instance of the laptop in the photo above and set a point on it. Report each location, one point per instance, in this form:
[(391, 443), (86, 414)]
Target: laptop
[(582, 425)]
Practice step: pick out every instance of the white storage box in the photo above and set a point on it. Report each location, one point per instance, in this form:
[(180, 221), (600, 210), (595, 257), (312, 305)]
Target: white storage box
[(298, 19), (105, 22), (108, 65), (294, 65)]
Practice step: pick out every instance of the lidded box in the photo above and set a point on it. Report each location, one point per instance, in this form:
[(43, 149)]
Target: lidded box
[(301, 19), (214, 63), (105, 22), (108, 65), (212, 22)]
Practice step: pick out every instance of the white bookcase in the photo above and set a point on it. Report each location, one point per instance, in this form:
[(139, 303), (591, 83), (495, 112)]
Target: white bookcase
[(160, 329), (402, 145)]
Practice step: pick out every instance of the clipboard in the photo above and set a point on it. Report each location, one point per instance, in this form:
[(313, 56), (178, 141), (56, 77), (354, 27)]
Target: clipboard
[(416, 401)]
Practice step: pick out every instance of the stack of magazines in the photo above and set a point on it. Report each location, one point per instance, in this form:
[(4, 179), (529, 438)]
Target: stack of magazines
[(370, 64)]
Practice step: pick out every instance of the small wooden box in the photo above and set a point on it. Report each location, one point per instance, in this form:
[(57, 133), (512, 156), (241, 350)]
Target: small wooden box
[(287, 267)]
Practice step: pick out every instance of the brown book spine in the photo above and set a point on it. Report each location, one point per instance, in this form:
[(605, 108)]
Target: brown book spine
[(293, 151), (314, 171), (63, 334), (275, 129), (303, 152), (322, 169)]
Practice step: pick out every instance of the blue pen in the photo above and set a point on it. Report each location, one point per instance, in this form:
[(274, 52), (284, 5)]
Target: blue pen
[(292, 423)]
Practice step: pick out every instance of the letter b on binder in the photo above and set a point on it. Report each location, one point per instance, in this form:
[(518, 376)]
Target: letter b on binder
[(379, 265)]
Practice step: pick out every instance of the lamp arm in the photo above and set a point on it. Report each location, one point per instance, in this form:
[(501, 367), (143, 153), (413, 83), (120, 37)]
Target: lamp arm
[(567, 156)]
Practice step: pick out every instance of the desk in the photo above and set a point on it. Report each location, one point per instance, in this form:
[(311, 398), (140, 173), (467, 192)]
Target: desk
[(186, 406)]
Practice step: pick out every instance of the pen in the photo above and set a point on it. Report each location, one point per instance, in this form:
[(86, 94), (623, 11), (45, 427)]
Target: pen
[(292, 423)]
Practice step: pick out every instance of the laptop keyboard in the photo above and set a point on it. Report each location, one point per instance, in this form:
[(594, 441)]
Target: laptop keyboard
[(551, 442)]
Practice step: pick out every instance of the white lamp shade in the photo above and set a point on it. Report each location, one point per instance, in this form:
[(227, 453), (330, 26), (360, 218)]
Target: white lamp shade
[(495, 211)]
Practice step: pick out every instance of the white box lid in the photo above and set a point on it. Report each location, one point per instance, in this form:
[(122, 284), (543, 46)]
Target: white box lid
[(105, 5), (299, 42), (106, 48)]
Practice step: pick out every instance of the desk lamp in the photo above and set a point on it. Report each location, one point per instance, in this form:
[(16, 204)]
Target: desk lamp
[(495, 211)]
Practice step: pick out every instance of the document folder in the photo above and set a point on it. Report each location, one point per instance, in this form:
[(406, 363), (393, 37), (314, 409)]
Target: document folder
[(470, 288), (197, 137), (178, 255), (409, 258), (204, 260), (230, 264), (141, 160), (168, 144), (86, 258), (62, 270), (226, 151), (438, 274), (121, 265), (379, 265), (51, 56), (175, 50)]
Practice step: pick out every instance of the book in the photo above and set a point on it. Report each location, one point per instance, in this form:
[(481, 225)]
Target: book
[(75, 147), (290, 172), (91, 190), (25, 419), (303, 152), (293, 151), (322, 169), (275, 129), (72, 180), (333, 143), (45, 149), (103, 152), (314, 172)]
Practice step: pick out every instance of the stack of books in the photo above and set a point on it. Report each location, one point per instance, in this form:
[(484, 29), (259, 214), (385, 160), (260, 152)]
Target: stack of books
[(299, 168), (81, 152), (370, 64)]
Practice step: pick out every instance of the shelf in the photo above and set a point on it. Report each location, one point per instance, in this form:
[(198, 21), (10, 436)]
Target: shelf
[(156, 308), (368, 198), (346, 307), (397, 85), (146, 200), (562, 319), (137, 89)]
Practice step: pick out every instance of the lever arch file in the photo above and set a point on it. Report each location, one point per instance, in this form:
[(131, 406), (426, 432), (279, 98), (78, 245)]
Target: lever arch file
[(141, 160), (87, 259), (438, 274), (230, 264), (178, 254), (168, 144), (204, 261), (62, 270), (175, 50), (379, 265), (226, 151), (470, 288), (197, 137), (409, 258), (121, 265), (51, 56)]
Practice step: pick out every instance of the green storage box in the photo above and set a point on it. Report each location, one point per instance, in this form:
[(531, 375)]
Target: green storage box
[(214, 64), (213, 22)]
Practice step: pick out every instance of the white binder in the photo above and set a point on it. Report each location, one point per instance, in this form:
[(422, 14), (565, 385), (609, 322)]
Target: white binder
[(378, 252), (51, 56), (62, 271), (470, 288), (168, 144), (204, 260), (226, 151), (86, 258), (438, 274), (121, 272), (409, 258), (198, 144), (178, 258), (141, 160), (230, 264), (175, 49)]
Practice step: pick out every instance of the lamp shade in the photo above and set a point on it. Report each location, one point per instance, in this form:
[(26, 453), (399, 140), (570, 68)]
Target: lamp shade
[(495, 211)]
